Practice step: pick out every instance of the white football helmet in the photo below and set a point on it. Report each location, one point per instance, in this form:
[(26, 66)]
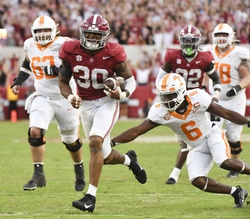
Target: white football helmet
[(44, 22), (172, 91), (221, 41)]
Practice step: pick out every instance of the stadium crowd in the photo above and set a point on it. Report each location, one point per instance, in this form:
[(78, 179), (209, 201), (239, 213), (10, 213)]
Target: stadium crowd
[(137, 22)]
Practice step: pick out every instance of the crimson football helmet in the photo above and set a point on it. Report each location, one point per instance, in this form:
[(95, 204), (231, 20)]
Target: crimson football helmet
[(190, 39), (172, 91), (223, 41), (41, 23), (94, 24)]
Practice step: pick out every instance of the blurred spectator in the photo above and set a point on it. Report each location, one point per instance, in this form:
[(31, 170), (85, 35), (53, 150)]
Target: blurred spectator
[(132, 22), (2, 117)]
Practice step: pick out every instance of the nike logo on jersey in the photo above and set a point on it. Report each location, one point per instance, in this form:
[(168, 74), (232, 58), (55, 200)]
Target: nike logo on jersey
[(87, 206), (197, 62), (105, 57), (69, 109)]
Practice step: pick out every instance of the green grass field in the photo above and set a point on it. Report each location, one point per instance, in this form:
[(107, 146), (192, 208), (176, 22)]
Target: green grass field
[(119, 194)]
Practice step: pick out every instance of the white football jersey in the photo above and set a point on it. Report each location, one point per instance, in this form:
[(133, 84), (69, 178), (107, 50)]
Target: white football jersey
[(192, 126), (227, 66), (41, 56)]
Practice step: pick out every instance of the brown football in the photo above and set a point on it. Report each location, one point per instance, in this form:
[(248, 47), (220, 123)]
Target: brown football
[(113, 82)]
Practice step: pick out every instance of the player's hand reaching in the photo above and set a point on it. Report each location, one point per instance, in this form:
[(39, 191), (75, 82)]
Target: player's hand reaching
[(51, 70), (75, 101), (233, 91)]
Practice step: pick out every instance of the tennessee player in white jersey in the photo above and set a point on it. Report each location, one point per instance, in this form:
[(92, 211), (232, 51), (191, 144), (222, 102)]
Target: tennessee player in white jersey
[(193, 65), (185, 113), (233, 67), (47, 103)]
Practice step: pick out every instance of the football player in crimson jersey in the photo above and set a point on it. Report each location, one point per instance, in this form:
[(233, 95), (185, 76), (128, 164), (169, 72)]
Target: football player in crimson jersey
[(185, 113), (232, 63), (191, 64), (47, 102), (90, 61)]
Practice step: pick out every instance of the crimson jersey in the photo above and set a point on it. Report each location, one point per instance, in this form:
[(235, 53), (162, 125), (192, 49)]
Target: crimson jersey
[(193, 71), (88, 71)]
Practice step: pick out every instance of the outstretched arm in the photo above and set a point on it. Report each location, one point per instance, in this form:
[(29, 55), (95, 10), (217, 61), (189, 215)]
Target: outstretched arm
[(134, 132), (228, 114)]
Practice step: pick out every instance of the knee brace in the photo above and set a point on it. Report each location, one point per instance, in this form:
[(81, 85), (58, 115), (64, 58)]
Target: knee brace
[(236, 147), (36, 142), (76, 147)]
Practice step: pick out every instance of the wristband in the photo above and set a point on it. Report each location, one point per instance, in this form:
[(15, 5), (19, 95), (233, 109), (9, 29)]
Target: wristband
[(70, 97), (216, 94), (123, 94)]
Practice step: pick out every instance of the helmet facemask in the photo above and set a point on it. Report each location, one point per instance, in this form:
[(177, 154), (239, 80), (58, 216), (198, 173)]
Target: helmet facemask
[(223, 35), (93, 44), (172, 100), (189, 45), (189, 38), (98, 25), (172, 91), (44, 23)]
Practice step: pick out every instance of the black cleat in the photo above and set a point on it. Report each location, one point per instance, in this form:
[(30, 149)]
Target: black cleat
[(137, 170), (87, 203), (232, 174), (79, 174), (171, 181), (38, 180), (240, 196), (79, 184)]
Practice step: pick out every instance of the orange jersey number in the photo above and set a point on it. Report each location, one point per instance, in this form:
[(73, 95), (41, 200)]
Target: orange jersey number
[(224, 71), (38, 63), (191, 133)]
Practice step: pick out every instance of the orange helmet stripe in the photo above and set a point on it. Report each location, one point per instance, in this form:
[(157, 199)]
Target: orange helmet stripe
[(41, 20), (220, 26), (164, 82)]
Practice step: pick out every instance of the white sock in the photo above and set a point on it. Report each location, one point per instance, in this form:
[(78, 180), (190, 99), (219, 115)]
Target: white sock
[(78, 163), (233, 190), (92, 190), (127, 160), (175, 173)]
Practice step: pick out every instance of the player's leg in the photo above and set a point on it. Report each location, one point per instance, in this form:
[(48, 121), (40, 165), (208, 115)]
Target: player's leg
[(40, 117), (234, 131), (68, 122), (181, 158), (98, 119), (199, 164)]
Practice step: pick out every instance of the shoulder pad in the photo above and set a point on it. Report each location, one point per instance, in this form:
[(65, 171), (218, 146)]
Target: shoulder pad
[(70, 45), (114, 48)]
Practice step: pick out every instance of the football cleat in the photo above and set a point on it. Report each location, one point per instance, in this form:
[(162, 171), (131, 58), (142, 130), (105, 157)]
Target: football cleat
[(232, 174), (87, 203), (240, 196), (79, 175), (171, 181), (137, 170), (38, 180), (79, 184)]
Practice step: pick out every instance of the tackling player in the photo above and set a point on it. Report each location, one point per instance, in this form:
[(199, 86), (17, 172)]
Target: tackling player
[(185, 113), (192, 64), (47, 103)]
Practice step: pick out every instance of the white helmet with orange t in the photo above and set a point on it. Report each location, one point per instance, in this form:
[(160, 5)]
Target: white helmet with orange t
[(44, 23), (172, 91), (223, 41)]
